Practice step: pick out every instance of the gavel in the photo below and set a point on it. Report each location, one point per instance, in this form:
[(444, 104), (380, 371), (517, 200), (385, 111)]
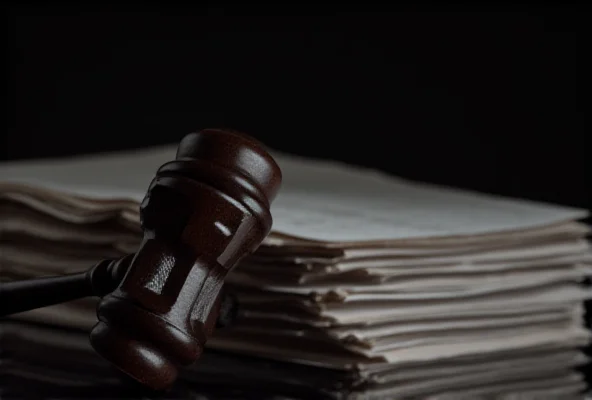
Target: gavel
[(203, 212)]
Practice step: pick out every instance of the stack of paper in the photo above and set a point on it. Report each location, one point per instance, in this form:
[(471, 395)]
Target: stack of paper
[(368, 287)]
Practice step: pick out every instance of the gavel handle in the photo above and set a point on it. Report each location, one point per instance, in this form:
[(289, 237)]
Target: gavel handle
[(16, 297), (101, 279), (25, 295)]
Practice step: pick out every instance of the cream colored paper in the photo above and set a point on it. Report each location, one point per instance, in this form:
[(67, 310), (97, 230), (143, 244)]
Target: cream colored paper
[(424, 291)]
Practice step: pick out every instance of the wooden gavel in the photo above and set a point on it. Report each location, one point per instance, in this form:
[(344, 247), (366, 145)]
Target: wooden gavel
[(202, 213)]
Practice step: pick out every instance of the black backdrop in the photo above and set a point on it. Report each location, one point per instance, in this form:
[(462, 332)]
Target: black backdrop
[(479, 97)]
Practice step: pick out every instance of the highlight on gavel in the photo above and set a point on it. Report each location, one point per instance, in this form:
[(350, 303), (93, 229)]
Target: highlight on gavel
[(202, 214)]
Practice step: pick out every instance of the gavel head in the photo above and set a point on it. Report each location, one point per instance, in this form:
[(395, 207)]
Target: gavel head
[(203, 212)]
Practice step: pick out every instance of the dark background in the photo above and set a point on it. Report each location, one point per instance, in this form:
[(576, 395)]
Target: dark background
[(478, 96), (483, 97)]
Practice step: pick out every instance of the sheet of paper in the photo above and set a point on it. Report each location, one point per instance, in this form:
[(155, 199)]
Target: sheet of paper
[(436, 287), (482, 384), (306, 350), (519, 360), (460, 337), (319, 201), (388, 332), (21, 221), (569, 387), (345, 259), (380, 313), (385, 274)]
